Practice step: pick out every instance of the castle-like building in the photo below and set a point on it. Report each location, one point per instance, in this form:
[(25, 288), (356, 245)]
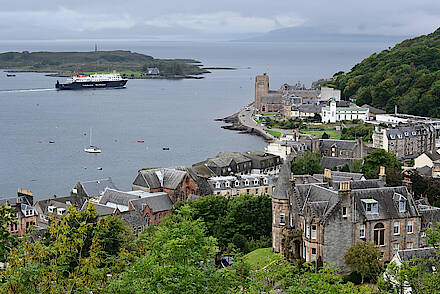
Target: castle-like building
[(316, 218)]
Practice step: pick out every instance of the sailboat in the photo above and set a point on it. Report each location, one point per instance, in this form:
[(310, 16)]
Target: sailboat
[(92, 149)]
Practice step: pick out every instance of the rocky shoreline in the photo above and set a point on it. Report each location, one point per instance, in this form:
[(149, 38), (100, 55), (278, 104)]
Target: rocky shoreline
[(236, 125)]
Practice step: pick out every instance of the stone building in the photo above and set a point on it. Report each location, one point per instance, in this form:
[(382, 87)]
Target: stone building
[(93, 188), (266, 100), (178, 183), (343, 148), (26, 215), (254, 184), (406, 141), (319, 221)]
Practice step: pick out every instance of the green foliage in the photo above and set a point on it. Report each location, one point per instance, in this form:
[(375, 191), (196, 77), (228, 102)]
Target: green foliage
[(356, 167), (361, 130), (345, 168), (376, 159), (407, 75), (7, 241), (78, 255), (247, 215), (307, 164), (101, 61), (178, 259), (425, 187), (364, 258), (287, 124)]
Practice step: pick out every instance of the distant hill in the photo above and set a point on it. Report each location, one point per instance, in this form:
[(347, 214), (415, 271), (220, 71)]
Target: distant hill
[(305, 34), (128, 62), (407, 75)]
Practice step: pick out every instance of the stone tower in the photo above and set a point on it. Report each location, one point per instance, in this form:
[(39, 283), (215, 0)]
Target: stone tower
[(261, 89)]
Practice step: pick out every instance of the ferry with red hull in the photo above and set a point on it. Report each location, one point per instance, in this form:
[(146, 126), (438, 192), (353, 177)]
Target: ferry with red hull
[(95, 81)]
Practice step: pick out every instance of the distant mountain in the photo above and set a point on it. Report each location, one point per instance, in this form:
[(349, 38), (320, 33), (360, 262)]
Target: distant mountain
[(304, 34), (407, 75)]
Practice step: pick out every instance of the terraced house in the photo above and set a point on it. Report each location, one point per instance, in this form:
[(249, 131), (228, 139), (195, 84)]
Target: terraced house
[(254, 184), (319, 221)]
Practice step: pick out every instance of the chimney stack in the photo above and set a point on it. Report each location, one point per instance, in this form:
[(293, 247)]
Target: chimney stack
[(407, 183)]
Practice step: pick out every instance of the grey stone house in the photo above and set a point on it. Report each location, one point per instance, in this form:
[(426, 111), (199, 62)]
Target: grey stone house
[(319, 221)]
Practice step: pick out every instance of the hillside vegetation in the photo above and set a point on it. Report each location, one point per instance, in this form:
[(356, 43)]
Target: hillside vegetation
[(65, 63), (407, 75)]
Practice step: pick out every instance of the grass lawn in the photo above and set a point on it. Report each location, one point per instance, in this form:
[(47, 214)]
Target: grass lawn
[(333, 134), (275, 133), (259, 257), (269, 114)]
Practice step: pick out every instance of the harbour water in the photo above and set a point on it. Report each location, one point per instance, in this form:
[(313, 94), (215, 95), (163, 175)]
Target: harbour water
[(178, 114)]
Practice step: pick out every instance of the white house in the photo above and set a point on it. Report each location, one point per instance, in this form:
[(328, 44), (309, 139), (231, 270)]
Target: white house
[(333, 113), (328, 93)]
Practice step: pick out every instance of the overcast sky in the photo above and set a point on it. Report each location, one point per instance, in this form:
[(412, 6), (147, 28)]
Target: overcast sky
[(198, 19)]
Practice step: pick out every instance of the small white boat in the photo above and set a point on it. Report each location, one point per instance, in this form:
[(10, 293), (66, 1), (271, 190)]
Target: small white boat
[(92, 149)]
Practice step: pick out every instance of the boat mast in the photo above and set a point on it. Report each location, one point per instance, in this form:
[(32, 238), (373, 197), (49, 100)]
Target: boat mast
[(90, 136)]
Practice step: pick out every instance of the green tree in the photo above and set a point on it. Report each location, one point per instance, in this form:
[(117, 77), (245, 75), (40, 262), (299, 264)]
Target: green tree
[(364, 258), (356, 167), (307, 164), (7, 241), (376, 159)]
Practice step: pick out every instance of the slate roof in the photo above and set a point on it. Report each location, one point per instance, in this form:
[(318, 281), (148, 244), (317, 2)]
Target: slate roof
[(156, 201), (433, 155), (340, 144), (361, 184), (407, 131), (332, 162), (60, 202), (97, 187), (132, 218), (388, 206), (117, 197), (310, 108), (160, 177), (272, 99), (101, 210), (374, 110), (283, 186), (341, 176), (258, 157), (425, 171)]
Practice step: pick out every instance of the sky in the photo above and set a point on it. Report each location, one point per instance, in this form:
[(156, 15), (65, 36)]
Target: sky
[(208, 19)]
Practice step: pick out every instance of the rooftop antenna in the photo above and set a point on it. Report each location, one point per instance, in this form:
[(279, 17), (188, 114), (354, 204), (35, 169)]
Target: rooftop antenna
[(96, 47)]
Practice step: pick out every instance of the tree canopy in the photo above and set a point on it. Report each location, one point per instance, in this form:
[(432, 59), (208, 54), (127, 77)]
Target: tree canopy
[(307, 164), (407, 75), (376, 159)]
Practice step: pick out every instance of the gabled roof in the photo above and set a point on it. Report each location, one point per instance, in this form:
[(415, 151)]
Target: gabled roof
[(340, 144), (101, 210), (420, 255), (374, 110), (433, 155), (160, 177), (97, 187), (116, 197), (332, 162), (283, 185), (156, 201)]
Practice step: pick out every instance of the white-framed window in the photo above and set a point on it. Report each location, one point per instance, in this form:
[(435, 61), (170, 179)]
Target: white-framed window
[(402, 204), (313, 254), (396, 228), (308, 231), (371, 206), (344, 212), (396, 247), (282, 219), (409, 245), (227, 184), (256, 182), (246, 182), (313, 231), (237, 183), (410, 227), (362, 231), (217, 185), (266, 181)]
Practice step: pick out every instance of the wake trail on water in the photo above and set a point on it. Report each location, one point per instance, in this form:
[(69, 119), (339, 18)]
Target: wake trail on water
[(26, 90)]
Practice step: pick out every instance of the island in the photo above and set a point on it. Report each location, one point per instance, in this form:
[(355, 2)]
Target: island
[(129, 64)]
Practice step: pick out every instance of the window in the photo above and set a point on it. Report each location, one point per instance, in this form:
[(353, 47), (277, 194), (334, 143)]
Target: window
[(379, 234), (246, 183), (256, 182), (371, 206), (282, 219), (395, 247), (227, 184), (266, 190), (344, 212), (402, 204), (410, 227), (237, 183), (313, 231), (266, 181), (313, 254), (217, 185), (396, 228), (362, 231), (308, 231), (409, 245), (256, 191)]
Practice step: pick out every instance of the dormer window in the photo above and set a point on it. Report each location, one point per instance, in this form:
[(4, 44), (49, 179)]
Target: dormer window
[(266, 181), (399, 136), (392, 137), (414, 133), (51, 209), (402, 204), (371, 206), (237, 183), (246, 182), (227, 184), (217, 185), (60, 211), (256, 182), (406, 134)]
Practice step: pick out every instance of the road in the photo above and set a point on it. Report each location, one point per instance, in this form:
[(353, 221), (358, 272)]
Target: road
[(245, 118)]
